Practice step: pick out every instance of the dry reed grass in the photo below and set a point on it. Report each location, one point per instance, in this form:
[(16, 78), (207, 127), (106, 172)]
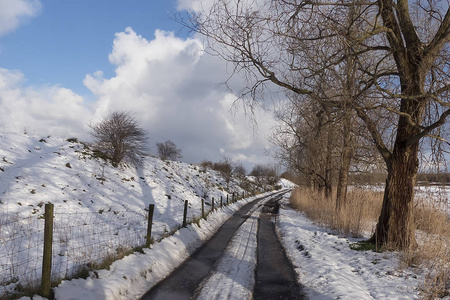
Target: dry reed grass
[(359, 217), (433, 252), (356, 218)]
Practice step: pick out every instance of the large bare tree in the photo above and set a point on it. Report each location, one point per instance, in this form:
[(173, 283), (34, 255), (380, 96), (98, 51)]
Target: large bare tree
[(305, 136), (394, 52)]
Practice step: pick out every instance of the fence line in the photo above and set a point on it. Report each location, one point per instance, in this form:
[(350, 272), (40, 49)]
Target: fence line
[(21, 242), (81, 241), (92, 237)]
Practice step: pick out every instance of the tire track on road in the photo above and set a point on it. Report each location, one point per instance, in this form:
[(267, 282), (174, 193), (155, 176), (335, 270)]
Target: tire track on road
[(275, 276), (233, 277), (226, 265), (184, 281)]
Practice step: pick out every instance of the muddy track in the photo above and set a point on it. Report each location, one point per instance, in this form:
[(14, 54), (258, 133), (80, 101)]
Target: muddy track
[(187, 281)]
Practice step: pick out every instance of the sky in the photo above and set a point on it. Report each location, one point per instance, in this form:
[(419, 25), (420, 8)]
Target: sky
[(65, 64)]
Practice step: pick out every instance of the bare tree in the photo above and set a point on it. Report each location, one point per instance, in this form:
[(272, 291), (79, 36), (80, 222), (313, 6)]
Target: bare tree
[(168, 150), (225, 168), (265, 174), (239, 170), (120, 137), (397, 56), (306, 137)]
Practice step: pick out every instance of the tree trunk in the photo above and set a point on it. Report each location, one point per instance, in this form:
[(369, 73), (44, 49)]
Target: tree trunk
[(395, 228), (329, 163), (346, 157)]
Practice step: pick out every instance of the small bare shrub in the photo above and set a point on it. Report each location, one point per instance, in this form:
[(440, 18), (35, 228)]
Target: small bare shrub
[(168, 151), (225, 168)]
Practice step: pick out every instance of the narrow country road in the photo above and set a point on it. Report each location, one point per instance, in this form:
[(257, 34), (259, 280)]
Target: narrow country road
[(243, 260)]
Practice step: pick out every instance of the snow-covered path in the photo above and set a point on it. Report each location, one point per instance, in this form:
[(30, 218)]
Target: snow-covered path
[(228, 265), (233, 277)]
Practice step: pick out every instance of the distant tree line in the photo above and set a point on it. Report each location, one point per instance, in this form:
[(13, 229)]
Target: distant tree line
[(263, 174)]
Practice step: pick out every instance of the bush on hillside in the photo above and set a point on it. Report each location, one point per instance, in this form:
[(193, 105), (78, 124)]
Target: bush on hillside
[(120, 137)]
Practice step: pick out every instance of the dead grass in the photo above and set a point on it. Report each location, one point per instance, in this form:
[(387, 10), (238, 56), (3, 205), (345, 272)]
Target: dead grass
[(432, 256), (431, 220), (433, 252), (356, 218)]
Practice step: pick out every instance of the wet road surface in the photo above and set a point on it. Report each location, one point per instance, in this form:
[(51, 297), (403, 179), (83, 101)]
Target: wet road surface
[(274, 276)]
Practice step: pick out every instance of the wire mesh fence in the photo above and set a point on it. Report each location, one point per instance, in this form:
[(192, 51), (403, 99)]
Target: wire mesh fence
[(21, 242), (81, 241), (91, 239)]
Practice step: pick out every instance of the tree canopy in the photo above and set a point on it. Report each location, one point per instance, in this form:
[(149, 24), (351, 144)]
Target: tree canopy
[(384, 62)]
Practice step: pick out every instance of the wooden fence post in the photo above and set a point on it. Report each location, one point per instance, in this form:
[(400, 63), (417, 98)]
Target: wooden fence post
[(185, 213), (151, 209), (212, 205), (203, 209), (243, 195), (46, 284), (227, 199), (221, 202)]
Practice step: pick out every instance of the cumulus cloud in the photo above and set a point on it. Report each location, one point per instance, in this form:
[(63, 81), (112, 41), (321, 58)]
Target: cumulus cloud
[(12, 13), (49, 110), (194, 5), (168, 83), (172, 86)]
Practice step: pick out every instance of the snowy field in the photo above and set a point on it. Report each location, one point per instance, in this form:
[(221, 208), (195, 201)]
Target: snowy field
[(35, 171), (435, 196), (329, 269), (99, 210)]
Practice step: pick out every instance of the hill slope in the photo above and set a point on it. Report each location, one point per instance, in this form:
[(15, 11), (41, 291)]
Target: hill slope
[(89, 195)]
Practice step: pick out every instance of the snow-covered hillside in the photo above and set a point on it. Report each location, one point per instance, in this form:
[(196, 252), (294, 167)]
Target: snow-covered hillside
[(100, 209), (85, 189), (34, 170)]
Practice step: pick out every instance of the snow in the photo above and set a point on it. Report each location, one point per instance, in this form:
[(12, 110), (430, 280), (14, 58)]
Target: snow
[(132, 276), (99, 210), (435, 196), (35, 171), (287, 184), (329, 269), (233, 278)]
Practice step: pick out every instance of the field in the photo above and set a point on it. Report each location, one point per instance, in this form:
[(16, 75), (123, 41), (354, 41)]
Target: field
[(431, 260)]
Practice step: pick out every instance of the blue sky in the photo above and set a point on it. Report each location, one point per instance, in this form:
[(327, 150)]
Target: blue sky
[(67, 63), (69, 38)]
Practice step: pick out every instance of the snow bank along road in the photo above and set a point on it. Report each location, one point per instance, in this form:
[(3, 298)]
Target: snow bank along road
[(243, 260)]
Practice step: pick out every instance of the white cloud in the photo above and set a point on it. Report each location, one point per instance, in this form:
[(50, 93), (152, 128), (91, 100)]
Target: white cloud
[(168, 83), (147, 72), (50, 110), (173, 89), (13, 12), (194, 5)]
